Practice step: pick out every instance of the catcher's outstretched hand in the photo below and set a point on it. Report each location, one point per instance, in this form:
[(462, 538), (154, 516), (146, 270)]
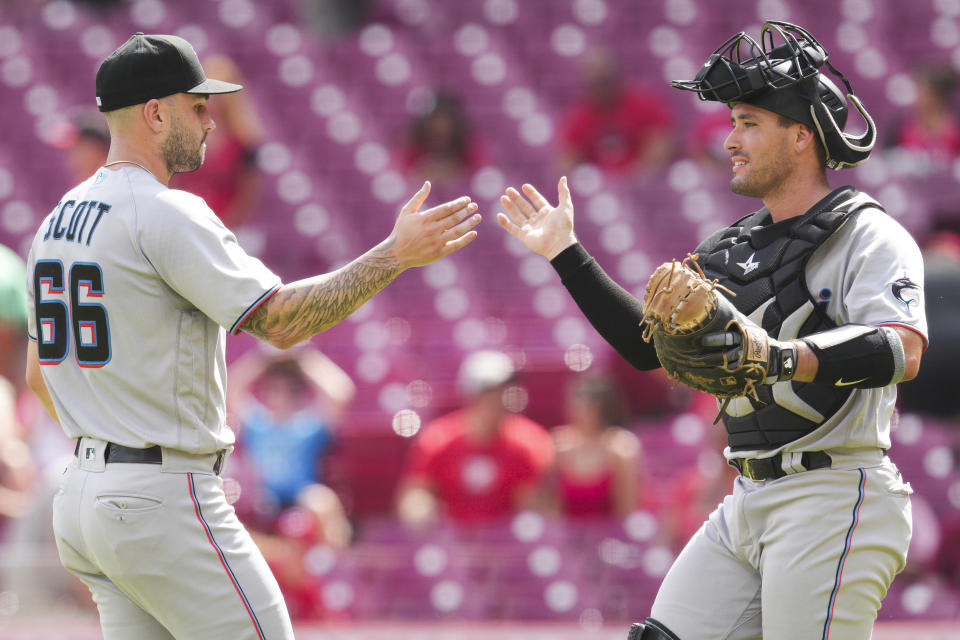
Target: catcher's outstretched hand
[(544, 229), (421, 237)]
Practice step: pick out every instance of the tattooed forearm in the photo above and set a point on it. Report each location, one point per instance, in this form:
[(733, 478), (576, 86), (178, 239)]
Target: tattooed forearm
[(304, 308)]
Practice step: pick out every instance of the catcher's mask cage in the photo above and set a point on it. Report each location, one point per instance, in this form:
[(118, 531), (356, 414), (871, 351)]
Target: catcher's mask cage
[(782, 73)]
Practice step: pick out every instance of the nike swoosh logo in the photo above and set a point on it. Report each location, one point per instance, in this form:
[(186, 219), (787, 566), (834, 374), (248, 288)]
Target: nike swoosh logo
[(841, 383)]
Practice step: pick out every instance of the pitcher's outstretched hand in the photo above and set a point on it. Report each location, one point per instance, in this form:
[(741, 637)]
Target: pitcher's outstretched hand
[(422, 237)]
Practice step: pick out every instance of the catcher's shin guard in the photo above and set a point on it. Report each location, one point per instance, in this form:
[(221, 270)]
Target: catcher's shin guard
[(650, 629)]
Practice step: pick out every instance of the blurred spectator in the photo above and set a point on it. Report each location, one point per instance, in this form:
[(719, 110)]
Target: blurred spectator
[(17, 472), (705, 140), (32, 568), (331, 18), (696, 491), (480, 463), (941, 286), (925, 543), (440, 145), (598, 461), (317, 520), (13, 318), (86, 141), (615, 126), (101, 4), (29, 562), (229, 181), (654, 394), (946, 561), (288, 404), (928, 135)]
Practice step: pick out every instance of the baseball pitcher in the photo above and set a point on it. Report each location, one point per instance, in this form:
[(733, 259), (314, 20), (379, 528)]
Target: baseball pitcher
[(131, 288)]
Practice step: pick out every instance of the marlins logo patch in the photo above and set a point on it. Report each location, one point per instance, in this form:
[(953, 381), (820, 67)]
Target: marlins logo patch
[(906, 291)]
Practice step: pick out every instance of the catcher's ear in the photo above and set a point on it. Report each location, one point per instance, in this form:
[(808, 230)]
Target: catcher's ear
[(803, 137)]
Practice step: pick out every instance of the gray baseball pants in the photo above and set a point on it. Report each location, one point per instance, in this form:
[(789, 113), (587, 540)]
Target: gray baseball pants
[(162, 552), (807, 556)]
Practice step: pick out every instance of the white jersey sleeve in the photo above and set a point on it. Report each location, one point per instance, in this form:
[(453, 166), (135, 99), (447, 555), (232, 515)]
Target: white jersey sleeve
[(883, 279), (200, 259)]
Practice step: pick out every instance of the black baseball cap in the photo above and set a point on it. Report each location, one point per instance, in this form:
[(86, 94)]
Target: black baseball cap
[(152, 66)]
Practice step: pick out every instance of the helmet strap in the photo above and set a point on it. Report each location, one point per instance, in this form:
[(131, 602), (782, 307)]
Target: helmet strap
[(858, 146)]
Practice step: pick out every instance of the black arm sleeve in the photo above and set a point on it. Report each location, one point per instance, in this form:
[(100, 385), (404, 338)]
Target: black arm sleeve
[(613, 312)]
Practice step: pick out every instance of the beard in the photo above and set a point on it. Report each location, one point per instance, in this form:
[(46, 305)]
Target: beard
[(762, 181), (181, 153)]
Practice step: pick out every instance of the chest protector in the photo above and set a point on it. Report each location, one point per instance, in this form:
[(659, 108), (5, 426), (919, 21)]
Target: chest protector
[(764, 264)]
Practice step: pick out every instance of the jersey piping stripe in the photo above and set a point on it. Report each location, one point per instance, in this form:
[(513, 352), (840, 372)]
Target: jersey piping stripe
[(926, 342), (843, 556), (235, 329), (223, 560)]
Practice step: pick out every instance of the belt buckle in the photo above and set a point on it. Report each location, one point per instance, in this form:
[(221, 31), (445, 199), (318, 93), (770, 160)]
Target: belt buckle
[(218, 465)]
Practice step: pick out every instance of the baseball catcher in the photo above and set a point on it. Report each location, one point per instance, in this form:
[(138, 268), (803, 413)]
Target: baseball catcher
[(801, 317)]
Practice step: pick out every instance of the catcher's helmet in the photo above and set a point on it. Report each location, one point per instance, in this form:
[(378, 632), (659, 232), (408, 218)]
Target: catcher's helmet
[(783, 75)]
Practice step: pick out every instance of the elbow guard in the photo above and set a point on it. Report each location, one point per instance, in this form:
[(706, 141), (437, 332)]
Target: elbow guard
[(858, 356)]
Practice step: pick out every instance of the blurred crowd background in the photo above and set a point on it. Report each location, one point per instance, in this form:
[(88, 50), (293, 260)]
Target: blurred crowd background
[(465, 446)]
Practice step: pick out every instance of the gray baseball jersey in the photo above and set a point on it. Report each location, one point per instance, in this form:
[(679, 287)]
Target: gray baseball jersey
[(131, 285), (869, 272)]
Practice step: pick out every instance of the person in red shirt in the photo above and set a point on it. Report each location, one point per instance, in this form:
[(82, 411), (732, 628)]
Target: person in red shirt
[(615, 126), (85, 141), (440, 143), (598, 461), (927, 136), (480, 463)]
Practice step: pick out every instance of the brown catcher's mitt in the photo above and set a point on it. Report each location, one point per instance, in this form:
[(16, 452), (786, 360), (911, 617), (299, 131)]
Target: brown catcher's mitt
[(701, 338)]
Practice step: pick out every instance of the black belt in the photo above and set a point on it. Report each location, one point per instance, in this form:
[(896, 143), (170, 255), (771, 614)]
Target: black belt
[(119, 453), (152, 455), (772, 468)]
